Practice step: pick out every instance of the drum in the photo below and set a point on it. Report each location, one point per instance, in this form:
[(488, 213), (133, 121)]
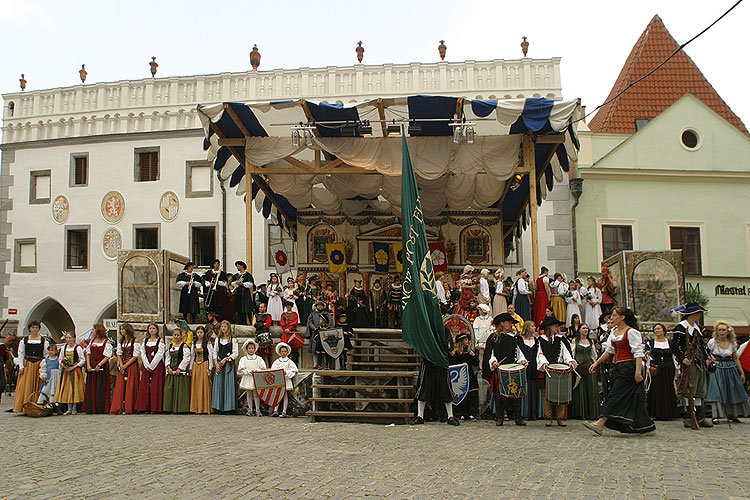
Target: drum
[(264, 338), (512, 380), (559, 382)]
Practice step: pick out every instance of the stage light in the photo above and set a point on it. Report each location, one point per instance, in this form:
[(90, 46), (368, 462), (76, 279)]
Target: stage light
[(415, 128), (470, 135), (349, 130), (365, 128), (393, 128), (295, 138), (308, 138), (456, 134)]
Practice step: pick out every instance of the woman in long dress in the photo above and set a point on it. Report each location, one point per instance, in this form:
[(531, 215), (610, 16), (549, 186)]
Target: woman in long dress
[(625, 406), (500, 301), (541, 296), (585, 402), (201, 364), (529, 345), (275, 304), (592, 297), (126, 384), (467, 304), (31, 351), (177, 382), (71, 388), (726, 391), (151, 387), (98, 354), (661, 398), (573, 302), (226, 350), (521, 297)]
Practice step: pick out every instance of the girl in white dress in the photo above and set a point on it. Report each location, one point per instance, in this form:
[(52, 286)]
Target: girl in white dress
[(483, 328), (573, 301), (274, 292), (290, 370), (593, 297), (500, 301), (248, 364)]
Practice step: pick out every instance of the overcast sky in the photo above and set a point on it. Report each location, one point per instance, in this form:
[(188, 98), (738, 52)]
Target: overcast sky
[(48, 40)]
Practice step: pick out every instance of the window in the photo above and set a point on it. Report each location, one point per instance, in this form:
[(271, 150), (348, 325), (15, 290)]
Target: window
[(146, 237), (40, 187), (199, 180), (79, 169), (146, 164), (688, 239), (25, 255), (203, 244), (475, 248), (690, 139), (615, 239), (77, 248), (275, 235), (640, 123)]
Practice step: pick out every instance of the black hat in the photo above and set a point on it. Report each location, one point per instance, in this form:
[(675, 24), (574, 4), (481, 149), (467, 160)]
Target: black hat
[(687, 309), (215, 261), (377, 280), (461, 336), (503, 317), (189, 263), (240, 263), (550, 321), (342, 315)]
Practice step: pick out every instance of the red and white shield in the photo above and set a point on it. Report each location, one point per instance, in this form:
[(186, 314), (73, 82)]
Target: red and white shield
[(271, 386)]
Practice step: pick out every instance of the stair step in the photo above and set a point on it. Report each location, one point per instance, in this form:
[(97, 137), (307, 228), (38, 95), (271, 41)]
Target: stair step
[(383, 355), (361, 414), (361, 387), (379, 339), (358, 373), (386, 331), (383, 363), (362, 400)]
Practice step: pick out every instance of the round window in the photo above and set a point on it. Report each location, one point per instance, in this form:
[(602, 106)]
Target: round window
[(690, 139)]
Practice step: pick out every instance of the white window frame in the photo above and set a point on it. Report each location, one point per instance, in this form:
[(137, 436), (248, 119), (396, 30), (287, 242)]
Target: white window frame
[(633, 223), (189, 192), (33, 198), (84, 227), (18, 243), (72, 173), (701, 225)]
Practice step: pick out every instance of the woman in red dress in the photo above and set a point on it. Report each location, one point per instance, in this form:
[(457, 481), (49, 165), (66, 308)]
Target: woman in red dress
[(541, 296), (98, 354), (126, 384), (151, 388)]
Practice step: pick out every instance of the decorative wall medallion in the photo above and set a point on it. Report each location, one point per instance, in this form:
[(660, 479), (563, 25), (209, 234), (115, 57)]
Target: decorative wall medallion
[(60, 209), (111, 242), (169, 206), (113, 207)]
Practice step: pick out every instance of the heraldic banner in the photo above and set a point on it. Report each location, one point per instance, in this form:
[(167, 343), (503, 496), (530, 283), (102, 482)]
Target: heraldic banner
[(422, 321), (280, 258), (439, 259), (382, 253), (336, 257), (271, 386)]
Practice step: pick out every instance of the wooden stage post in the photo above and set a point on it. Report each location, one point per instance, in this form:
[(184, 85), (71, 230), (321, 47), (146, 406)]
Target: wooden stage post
[(529, 161)]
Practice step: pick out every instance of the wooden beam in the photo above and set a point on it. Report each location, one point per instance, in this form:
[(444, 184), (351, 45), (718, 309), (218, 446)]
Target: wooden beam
[(331, 165), (551, 139), (317, 158), (237, 141), (297, 163), (381, 113), (236, 119), (529, 160), (459, 107)]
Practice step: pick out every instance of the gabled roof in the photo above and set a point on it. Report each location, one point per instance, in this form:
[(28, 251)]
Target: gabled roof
[(653, 95)]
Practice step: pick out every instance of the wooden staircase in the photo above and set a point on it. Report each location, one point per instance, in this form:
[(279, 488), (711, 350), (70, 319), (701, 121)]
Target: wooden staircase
[(378, 384)]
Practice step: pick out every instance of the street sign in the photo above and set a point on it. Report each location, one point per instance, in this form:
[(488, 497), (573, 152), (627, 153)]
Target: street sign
[(12, 311)]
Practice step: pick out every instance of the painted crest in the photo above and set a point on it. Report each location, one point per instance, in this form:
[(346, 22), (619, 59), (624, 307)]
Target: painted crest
[(169, 206), (332, 341), (60, 209), (271, 386), (458, 324), (113, 207), (111, 242), (459, 382)]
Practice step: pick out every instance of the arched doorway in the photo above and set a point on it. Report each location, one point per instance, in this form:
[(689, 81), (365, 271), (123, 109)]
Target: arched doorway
[(53, 316)]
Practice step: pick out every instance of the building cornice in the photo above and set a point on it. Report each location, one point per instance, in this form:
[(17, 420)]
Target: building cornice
[(664, 175), (94, 139)]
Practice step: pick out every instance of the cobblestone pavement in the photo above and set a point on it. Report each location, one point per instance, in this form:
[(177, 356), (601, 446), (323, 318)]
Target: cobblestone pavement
[(188, 456)]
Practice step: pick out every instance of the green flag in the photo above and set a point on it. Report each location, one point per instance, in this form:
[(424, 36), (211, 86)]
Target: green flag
[(422, 321)]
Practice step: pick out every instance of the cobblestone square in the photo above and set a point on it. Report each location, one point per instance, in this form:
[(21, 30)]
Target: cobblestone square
[(189, 456)]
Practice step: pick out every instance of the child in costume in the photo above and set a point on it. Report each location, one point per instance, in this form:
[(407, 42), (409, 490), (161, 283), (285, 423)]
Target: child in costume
[(201, 364), (248, 364), (348, 334), (71, 388), (49, 372), (290, 370)]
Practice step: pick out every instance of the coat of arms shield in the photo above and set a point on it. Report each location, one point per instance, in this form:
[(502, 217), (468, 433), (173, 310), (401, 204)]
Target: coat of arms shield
[(332, 341), (271, 386), (459, 375)]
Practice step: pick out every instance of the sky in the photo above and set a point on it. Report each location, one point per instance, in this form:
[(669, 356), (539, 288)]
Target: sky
[(48, 40)]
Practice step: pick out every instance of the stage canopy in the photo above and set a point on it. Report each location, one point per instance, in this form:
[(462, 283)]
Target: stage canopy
[(342, 164)]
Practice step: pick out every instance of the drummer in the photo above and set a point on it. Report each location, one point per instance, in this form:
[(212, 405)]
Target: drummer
[(552, 350), (502, 347)]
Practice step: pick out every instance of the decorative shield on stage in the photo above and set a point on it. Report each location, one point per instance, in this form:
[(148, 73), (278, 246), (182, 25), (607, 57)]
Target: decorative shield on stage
[(458, 324), (459, 382), (332, 341), (271, 386)]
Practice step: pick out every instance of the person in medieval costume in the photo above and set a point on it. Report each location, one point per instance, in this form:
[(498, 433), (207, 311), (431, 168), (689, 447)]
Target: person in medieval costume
[(290, 294), (300, 298), (433, 385), (463, 353), (275, 301), (393, 301), (189, 284), (215, 284), (357, 307), (552, 349), (691, 353), (330, 297), (521, 295), (467, 304), (608, 285), (242, 283), (377, 304), (319, 319), (500, 300), (262, 322), (348, 331), (502, 348), (558, 288), (483, 295), (541, 296)]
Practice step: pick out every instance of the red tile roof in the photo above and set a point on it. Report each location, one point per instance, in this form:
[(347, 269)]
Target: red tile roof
[(657, 92)]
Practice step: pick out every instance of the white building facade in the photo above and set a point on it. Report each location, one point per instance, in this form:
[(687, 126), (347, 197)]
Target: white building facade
[(90, 169)]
